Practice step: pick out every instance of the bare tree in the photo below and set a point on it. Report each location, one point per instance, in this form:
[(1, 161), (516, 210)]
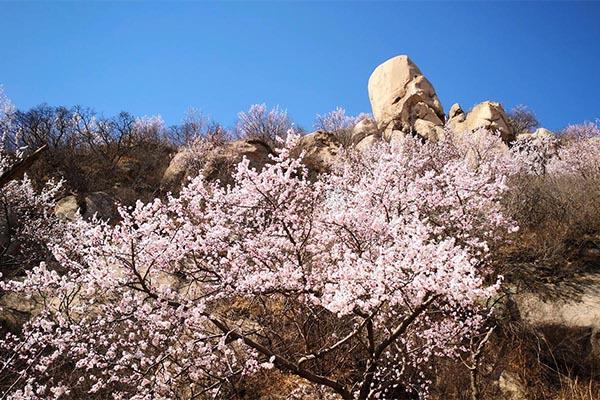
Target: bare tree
[(197, 127), (522, 119), (262, 124), (339, 124)]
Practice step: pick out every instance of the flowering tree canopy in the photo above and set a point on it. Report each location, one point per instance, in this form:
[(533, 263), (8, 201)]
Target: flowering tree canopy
[(355, 282)]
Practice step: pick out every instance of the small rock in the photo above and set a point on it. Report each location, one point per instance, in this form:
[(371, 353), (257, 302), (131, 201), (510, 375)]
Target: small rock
[(512, 387), (456, 112)]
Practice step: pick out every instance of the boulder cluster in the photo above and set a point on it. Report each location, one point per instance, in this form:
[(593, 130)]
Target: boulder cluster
[(405, 102)]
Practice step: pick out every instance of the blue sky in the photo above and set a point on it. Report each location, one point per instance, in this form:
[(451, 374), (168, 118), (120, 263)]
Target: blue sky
[(163, 58)]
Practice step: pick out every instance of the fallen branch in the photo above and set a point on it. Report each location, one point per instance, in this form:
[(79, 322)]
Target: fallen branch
[(20, 167)]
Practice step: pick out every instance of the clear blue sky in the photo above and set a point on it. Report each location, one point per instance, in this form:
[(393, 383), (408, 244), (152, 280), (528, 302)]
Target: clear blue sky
[(163, 58)]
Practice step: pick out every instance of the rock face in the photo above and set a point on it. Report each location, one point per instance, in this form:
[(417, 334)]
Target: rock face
[(217, 162), (538, 133), (320, 150), (365, 127), (176, 171), (488, 115), (97, 203), (511, 387), (569, 323), (401, 97)]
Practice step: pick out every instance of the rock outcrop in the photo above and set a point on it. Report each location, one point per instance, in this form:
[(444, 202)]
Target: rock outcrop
[(218, 162), (403, 100), (487, 115), (320, 150), (100, 204), (176, 171), (365, 127), (538, 133), (569, 321), (222, 160)]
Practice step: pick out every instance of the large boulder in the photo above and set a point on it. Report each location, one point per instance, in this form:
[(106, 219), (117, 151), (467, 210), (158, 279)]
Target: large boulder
[(365, 127), (401, 96), (320, 150), (176, 171), (487, 115), (215, 162), (98, 204)]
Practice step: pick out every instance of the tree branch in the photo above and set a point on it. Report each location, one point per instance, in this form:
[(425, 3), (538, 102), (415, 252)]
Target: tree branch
[(281, 362), (20, 167)]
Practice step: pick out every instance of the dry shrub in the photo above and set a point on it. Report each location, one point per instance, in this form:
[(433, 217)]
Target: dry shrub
[(543, 369), (259, 123), (275, 385), (521, 119), (548, 365), (93, 153), (577, 389), (339, 124), (558, 208)]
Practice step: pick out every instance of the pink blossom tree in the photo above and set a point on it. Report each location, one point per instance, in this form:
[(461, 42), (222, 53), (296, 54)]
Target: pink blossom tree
[(355, 283), (26, 214)]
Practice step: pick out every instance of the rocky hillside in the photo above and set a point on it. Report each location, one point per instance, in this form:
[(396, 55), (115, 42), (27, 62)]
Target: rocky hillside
[(409, 254)]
